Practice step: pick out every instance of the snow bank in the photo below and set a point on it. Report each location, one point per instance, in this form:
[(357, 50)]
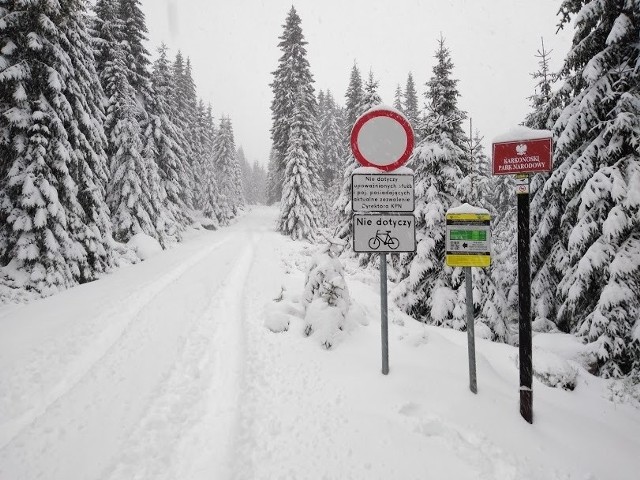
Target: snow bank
[(522, 133), (565, 346), (552, 370), (466, 208), (144, 245), (282, 311)]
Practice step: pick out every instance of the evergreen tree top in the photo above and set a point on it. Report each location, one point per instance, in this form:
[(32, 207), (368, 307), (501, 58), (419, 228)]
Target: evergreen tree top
[(443, 114), (411, 102), (370, 97), (397, 99), (354, 95), (292, 32), (178, 65), (291, 79), (135, 29), (161, 71), (543, 101)]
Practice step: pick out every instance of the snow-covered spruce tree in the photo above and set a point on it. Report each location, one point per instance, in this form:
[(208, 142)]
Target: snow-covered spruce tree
[(51, 147), (331, 154), (122, 21), (410, 104), (545, 209), (87, 138), (135, 201), (199, 162), (211, 208), (259, 182), (228, 172), (353, 99), (398, 99), (342, 206), (370, 96), (245, 172), (544, 102), (134, 30), (298, 212), (273, 188), (185, 102), (326, 298), (105, 30), (428, 288), (137, 192), (165, 135), (239, 201), (292, 82), (332, 148), (597, 164)]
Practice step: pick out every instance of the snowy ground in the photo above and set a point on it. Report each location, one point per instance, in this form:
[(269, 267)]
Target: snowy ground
[(165, 370)]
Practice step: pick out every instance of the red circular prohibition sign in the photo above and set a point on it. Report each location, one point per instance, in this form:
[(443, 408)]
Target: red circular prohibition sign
[(360, 123)]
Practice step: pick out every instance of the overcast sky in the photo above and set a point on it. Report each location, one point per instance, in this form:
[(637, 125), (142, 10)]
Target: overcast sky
[(233, 48)]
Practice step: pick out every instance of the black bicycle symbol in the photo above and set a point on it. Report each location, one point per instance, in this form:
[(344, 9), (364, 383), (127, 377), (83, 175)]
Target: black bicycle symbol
[(383, 238)]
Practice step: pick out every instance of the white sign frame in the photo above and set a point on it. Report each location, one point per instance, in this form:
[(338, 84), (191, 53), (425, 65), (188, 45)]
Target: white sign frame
[(384, 233)]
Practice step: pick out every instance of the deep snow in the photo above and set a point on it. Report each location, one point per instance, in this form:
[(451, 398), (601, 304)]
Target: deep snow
[(165, 370)]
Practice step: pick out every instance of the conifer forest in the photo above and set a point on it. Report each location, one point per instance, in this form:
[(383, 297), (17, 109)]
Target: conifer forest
[(105, 140)]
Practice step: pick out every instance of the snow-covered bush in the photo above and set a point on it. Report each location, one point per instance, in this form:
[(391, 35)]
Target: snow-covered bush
[(144, 245), (326, 297)]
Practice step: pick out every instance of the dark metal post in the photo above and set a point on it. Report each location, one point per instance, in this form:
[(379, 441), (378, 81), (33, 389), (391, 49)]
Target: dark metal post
[(384, 313), (471, 339), (524, 302)]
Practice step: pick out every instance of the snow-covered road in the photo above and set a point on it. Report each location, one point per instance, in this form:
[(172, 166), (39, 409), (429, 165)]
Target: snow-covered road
[(165, 371), (137, 375)]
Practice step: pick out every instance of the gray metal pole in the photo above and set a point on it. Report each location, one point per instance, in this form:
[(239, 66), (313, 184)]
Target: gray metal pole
[(384, 313), (471, 339)]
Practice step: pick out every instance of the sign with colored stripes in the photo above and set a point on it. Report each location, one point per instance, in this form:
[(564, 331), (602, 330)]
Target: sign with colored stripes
[(468, 241)]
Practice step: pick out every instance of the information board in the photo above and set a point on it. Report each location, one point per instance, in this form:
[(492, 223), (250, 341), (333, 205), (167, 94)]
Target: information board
[(468, 240), (388, 192)]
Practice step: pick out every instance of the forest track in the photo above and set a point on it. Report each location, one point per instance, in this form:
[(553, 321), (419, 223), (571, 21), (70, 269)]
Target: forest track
[(191, 421), (164, 348), (97, 344)]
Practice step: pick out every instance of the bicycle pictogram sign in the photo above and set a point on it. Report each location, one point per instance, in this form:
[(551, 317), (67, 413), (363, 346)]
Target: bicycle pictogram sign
[(383, 237)]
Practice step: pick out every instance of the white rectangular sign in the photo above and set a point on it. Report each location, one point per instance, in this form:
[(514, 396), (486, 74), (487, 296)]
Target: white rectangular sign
[(380, 192), (384, 233)]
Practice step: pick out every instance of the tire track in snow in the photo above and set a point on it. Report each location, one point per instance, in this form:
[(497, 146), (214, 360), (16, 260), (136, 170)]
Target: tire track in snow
[(119, 317), (188, 430)]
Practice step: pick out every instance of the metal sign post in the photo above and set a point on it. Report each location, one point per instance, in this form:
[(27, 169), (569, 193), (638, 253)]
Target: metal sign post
[(471, 336), (524, 152), (524, 301), (384, 315), (468, 244), (382, 138)]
